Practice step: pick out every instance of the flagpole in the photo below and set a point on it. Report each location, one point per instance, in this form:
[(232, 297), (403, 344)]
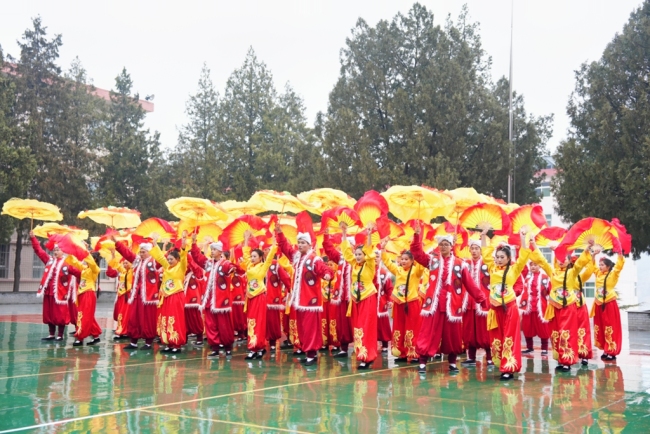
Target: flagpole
[(512, 155)]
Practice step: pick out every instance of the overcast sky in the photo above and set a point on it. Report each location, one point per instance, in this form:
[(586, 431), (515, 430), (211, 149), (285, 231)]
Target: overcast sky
[(163, 44)]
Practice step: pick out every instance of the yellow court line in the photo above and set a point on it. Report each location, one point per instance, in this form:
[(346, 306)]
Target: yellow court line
[(188, 401), (247, 425), (594, 410), (480, 422)]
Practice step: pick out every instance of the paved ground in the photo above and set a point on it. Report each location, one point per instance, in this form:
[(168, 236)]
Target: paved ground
[(58, 388)]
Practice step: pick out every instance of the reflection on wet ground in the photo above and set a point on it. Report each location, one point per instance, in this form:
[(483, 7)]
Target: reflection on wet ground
[(57, 388)]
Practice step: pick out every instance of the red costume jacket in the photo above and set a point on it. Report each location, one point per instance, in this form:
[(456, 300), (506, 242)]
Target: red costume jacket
[(276, 277), (146, 276), (341, 290), (481, 276), (218, 290), (57, 279), (194, 285), (535, 297), (384, 286)]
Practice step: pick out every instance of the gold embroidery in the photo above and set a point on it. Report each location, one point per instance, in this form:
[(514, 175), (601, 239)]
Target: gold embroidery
[(582, 348), (79, 317), (362, 352), (118, 329), (609, 331), (555, 336), (567, 352), (511, 362), (252, 338), (395, 350), (408, 343), (596, 341), (496, 352), (293, 332), (172, 334), (323, 329), (333, 330), (162, 328)]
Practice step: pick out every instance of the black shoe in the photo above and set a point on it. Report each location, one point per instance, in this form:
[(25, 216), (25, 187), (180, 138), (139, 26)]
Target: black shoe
[(364, 365), (273, 348), (527, 351), (341, 355), (584, 362), (323, 349), (250, 355), (213, 354), (565, 368), (544, 353), (145, 347), (156, 340), (77, 343), (72, 333), (58, 338), (94, 342), (228, 353), (49, 338), (165, 350), (469, 362), (453, 369), (414, 362), (198, 343), (489, 363), (175, 351), (260, 354), (437, 356), (401, 360), (310, 361), (506, 376), (334, 349), (609, 358), (131, 347), (422, 368)]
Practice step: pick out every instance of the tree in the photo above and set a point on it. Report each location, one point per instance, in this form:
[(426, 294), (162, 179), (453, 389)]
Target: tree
[(604, 165)]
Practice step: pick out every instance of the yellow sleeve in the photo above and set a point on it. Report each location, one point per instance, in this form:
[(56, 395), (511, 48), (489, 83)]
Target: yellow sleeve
[(524, 253), (537, 257), (93, 265), (588, 271), (183, 259), (72, 260), (389, 264), (487, 253), (346, 251), (582, 261), (370, 256), (158, 255), (618, 267), (246, 257), (284, 263), (269, 259)]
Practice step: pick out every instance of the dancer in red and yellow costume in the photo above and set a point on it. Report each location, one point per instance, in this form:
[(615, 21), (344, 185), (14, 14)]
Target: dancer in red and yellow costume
[(326, 318), (503, 321), (475, 332), (171, 305), (143, 302), (607, 317), (406, 303), (340, 298), (238, 294), (533, 305), (561, 311), (277, 278), (194, 289), (256, 268), (306, 295), (87, 273), (364, 298), (55, 288), (384, 286), (217, 301), (122, 272), (445, 300)]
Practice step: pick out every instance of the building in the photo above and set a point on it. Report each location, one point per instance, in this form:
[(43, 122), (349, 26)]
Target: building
[(627, 284)]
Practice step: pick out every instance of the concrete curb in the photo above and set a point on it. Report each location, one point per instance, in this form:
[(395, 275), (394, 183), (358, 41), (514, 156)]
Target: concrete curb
[(105, 297)]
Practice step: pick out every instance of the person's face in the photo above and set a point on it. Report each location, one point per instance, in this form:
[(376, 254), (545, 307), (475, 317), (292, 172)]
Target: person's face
[(405, 261), (57, 252), (143, 254), (215, 254), (603, 267), (127, 265), (501, 259), (445, 248), (475, 252), (332, 265), (255, 257), (303, 246), (566, 262), (172, 260), (534, 268), (359, 256)]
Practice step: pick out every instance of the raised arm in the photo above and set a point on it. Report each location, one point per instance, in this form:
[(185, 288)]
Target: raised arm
[(246, 257), (269, 258), (194, 267), (42, 255), (329, 248), (159, 256), (285, 246), (537, 257), (389, 264), (417, 251), (346, 251), (285, 278), (197, 256), (474, 291)]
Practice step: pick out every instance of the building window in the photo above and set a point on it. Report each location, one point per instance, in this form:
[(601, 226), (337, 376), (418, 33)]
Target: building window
[(549, 219), (102, 266), (589, 288), (548, 254), (4, 261)]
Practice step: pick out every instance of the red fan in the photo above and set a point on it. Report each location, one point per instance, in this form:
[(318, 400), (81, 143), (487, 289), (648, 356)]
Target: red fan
[(529, 217), (598, 230), (621, 233), (447, 228), (550, 237), (371, 207), (305, 225), (158, 226), (233, 234), (332, 218), (67, 245)]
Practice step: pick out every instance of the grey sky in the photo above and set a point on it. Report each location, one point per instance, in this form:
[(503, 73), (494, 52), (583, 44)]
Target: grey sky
[(163, 44)]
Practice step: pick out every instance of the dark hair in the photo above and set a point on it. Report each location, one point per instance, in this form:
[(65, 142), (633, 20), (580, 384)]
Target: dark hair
[(226, 255), (608, 262), (96, 257), (325, 259), (568, 267), (359, 247), (175, 253), (503, 281), (407, 253), (259, 252), (506, 250), (610, 265)]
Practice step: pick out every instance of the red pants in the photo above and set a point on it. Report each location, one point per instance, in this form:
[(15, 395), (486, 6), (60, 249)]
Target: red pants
[(256, 314), (532, 325), (439, 335), (584, 333), (343, 325), (384, 333), (505, 339), (564, 335), (72, 307), (171, 321), (475, 332), (607, 328), (219, 329), (194, 322), (142, 320), (294, 338), (273, 324), (54, 313), (308, 325), (121, 314), (239, 318), (325, 323), (406, 328), (364, 324), (86, 322)]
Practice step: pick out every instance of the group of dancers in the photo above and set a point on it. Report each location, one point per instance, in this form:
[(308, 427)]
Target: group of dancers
[(324, 298)]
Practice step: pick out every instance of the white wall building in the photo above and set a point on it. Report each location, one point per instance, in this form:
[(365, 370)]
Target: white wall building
[(627, 284)]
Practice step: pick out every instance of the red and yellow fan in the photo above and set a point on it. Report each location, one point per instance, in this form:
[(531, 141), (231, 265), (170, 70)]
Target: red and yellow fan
[(445, 229), (332, 219), (550, 237), (305, 224), (47, 229), (464, 252), (287, 224), (371, 207), (157, 226), (485, 216), (208, 233), (528, 217), (598, 230), (621, 233), (233, 234), (68, 245)]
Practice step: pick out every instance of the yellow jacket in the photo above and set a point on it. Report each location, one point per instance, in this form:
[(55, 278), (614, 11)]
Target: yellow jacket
[(612, 279), (256, 273), (124, 278), (401, 275), (498, 297), (363, 275), (173, 278), (89, 273)]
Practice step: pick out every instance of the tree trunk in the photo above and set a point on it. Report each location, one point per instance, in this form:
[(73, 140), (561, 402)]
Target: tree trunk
[(19, 249)]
